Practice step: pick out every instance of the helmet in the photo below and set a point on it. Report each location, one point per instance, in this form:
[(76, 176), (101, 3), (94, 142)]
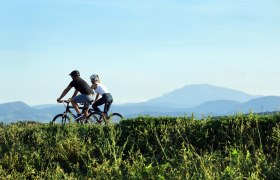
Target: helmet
[(75, 73), (94, 77)]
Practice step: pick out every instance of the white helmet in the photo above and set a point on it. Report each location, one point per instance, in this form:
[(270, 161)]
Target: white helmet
[(94, 77)]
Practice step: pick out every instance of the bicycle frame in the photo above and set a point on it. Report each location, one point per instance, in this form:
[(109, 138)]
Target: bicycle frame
[(68, 107), (112, 116)]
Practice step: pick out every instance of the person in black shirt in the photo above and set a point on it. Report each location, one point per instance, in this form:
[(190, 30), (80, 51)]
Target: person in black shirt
[(80, 86)]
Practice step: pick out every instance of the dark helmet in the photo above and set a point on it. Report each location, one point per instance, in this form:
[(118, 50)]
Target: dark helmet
[(75, 73)]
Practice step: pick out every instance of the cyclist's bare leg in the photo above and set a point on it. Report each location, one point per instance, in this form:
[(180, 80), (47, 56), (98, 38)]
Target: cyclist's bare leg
[(75, 105), (86, 113)]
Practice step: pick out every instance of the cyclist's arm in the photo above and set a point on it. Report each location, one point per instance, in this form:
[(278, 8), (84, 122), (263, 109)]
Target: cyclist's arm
[(94, 86), (64, 92)]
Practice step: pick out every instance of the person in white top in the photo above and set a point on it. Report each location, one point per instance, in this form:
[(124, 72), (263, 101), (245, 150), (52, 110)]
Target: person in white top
[(106, 97)]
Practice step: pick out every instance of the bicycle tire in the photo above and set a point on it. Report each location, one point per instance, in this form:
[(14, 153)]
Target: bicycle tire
[(115, 118), (61, 119), (96, 118)]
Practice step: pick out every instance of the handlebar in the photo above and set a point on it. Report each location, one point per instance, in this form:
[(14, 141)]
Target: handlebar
[(64, 101)]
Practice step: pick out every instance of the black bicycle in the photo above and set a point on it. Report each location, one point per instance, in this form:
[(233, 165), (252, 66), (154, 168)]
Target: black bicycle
[(103, 119), (68, 116), (94, 117)]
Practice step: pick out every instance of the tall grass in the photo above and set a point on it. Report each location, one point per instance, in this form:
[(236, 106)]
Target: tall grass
[(232, 147)]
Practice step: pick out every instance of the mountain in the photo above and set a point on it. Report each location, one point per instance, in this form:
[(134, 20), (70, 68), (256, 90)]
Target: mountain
[(13, 107), (134, 110), (197, 99), (19, 111), (219, 107), (140, 109), (54, 110), (194, 95), (263, 104)]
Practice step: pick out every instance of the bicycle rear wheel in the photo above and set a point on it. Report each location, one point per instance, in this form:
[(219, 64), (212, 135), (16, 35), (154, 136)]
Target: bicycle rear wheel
[(115, 118), (61, 119), (96, 118)]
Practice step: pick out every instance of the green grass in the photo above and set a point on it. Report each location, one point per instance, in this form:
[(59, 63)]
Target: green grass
[(232, 147)]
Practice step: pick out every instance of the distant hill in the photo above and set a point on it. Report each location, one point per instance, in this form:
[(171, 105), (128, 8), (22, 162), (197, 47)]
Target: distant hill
[(19, 111), (197, 99), (194, 95), (14, 107), (219, 107), (141, 109), (263, 104)]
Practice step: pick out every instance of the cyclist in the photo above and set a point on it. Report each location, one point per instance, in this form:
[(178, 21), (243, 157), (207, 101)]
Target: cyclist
[(80, 86), (100, 89)]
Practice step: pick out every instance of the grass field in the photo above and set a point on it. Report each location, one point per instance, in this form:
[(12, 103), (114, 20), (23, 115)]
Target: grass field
[(232, 147)]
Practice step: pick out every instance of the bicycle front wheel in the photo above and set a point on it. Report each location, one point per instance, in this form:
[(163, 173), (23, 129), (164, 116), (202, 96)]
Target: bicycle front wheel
[(61, 119), (115, 118), (96, 118)]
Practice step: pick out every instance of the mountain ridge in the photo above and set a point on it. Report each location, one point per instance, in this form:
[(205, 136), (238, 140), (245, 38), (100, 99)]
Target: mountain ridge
[(15, 111), (194, 95)]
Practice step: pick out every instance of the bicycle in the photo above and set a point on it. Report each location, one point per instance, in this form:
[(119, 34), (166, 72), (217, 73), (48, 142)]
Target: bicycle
[(93, 117), (68, 115), (111, 118)]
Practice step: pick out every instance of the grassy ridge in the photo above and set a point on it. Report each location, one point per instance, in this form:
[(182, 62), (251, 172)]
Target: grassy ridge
[(233, 147)]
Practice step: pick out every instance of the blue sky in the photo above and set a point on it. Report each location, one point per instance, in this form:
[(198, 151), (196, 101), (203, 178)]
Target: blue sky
[(141, 49)]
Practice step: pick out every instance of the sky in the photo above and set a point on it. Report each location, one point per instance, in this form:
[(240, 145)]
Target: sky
[(141, 49)]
